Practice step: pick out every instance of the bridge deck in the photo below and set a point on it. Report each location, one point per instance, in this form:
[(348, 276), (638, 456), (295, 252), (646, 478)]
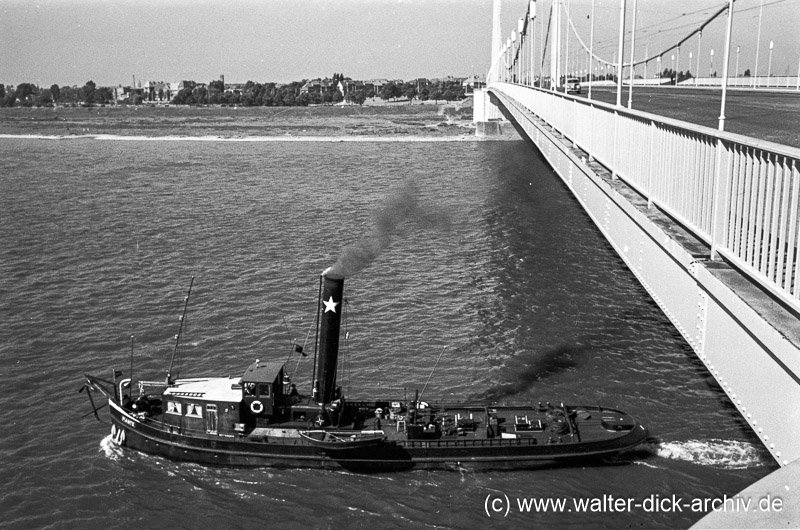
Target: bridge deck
[(762, 114)]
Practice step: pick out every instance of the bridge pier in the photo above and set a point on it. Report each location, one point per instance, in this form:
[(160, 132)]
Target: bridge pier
[(747, 341), (485, 114)]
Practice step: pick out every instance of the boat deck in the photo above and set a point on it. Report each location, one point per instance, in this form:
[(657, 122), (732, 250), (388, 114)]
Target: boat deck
[(542, 424)]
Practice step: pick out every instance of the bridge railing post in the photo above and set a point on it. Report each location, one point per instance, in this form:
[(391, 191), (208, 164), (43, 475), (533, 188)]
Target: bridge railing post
[(721, 191), (651, 164), (614, 157), (590, 137)]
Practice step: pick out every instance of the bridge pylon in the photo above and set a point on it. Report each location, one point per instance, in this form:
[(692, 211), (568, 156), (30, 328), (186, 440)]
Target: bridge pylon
[(485, 114)]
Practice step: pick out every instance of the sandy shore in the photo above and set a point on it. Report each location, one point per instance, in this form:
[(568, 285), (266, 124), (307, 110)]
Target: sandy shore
[(324, 123)]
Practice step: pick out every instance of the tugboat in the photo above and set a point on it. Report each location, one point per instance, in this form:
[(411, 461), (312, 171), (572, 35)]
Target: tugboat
[(258, 418)]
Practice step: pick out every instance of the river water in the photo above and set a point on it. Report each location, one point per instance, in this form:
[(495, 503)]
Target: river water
[(481, 252)]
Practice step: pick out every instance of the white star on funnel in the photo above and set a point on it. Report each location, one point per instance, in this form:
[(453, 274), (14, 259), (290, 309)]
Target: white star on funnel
[(330, 305)]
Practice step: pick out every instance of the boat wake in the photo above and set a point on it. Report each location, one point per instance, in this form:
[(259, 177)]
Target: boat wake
[(111, 449), (724, 454)]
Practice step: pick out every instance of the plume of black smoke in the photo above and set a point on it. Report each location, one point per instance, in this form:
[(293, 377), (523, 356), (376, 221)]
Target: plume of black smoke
[(402, 204), (529, 371)]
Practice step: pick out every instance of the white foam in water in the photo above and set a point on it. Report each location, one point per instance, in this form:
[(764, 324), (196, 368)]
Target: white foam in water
[(728, 454), (110, 448)]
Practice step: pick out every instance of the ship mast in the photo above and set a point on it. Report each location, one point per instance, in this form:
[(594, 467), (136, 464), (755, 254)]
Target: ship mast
[(180, 331), (314, 385)]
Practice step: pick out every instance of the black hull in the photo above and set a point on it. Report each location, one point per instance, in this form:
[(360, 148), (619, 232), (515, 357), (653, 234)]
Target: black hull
[(294, 452)]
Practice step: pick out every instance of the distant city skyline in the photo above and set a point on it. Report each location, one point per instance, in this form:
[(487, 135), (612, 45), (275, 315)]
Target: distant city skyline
[(110, 42)]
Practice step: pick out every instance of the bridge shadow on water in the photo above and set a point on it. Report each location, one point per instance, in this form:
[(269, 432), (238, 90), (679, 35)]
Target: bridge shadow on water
[(560, 316)]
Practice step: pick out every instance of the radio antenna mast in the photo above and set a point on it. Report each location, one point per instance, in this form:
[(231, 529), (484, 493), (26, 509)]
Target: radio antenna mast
[(180, 331)]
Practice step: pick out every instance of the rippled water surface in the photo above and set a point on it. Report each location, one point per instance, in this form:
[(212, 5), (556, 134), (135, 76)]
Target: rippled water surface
[(494, 262)]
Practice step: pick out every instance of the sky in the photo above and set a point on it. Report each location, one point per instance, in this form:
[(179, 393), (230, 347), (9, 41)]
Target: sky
[(69, 42)]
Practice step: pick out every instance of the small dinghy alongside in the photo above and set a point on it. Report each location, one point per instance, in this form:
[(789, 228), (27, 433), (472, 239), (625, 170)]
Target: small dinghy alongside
[(338, 441)]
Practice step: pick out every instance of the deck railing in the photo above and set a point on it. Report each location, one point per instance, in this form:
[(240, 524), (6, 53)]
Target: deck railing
[(472, 442), (739, 195)]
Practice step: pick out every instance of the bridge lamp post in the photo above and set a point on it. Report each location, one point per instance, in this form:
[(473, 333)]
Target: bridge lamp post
[(738, 49), (591, 50), (711, 64), (532, 12), (758, 43), (699, 41), (504, 62), (725, 66), (513, 58), (566, 50), (521, 48), (769, 68), (502, 65), (673, 68), (620, 51), (690, 67), (509, 64), (633, 45), (658, 68), (508, 61), (721, 181)]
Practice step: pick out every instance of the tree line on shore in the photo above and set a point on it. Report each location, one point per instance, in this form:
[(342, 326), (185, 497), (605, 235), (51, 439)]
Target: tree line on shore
[(216, 93), (30, 95)]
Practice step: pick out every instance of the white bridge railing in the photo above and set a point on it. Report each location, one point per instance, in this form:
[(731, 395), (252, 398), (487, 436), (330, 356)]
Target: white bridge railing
[(738, 194)]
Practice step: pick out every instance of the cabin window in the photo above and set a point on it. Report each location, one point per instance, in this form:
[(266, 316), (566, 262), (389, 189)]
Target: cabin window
[(173, 408), (211, 419), (263, 390), (193, 410)]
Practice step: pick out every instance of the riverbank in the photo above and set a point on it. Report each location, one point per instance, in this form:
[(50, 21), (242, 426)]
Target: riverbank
[(449, 121)]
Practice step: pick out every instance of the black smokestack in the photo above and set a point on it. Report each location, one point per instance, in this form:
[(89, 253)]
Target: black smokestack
[(329, 323)]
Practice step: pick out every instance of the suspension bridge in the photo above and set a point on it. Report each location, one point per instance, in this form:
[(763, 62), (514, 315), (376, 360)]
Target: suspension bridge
[(707, 220)]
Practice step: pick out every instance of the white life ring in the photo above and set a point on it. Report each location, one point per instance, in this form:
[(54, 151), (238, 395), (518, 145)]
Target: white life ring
[(257, 407)]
